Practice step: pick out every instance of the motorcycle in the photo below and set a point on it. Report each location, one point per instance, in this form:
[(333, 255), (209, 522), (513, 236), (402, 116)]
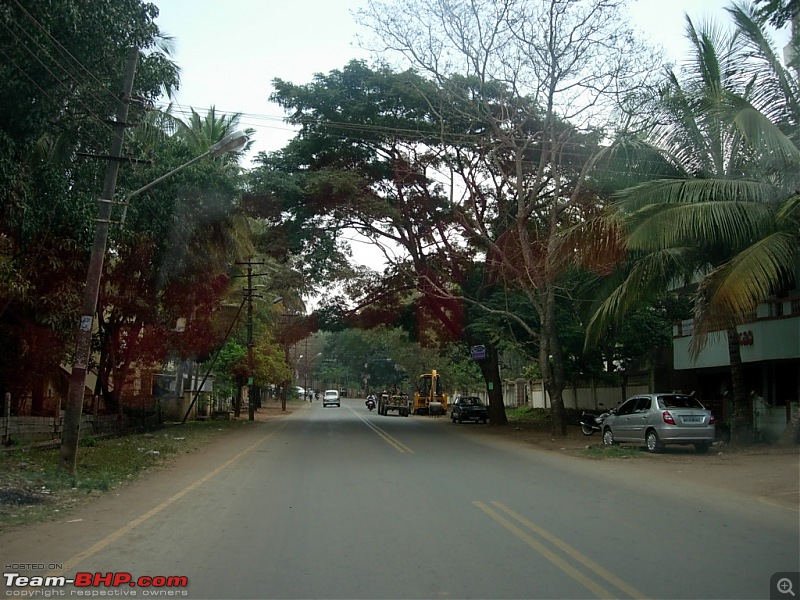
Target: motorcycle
[(590, 422), (370, 403)]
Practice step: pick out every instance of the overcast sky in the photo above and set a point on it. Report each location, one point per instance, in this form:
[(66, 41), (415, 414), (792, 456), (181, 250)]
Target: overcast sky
[(229, 51)]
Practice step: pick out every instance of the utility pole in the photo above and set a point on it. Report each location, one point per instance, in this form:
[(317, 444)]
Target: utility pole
[(70, 433), (213, 362), (249, 294), (305, 375), (251, 404)]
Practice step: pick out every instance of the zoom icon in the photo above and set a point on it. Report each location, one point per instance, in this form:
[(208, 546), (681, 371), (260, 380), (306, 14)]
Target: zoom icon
[(784, 585)]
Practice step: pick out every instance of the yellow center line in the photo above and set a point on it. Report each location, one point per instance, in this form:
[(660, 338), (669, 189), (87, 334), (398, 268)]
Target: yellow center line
[(394, 442), (559, 562), (572, 552), (109, 539)]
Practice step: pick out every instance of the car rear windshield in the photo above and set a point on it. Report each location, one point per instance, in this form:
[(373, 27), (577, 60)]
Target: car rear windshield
[(673, 401)]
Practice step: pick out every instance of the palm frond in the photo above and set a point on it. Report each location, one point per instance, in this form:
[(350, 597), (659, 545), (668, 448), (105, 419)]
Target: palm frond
[(649, 276), (690, 191), (701, 225), (677, 131), (788, 214), (762, 134), (777, 93), (733, 290)]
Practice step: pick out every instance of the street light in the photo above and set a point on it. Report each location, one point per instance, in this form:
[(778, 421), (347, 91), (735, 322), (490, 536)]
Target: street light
[(77, 383)]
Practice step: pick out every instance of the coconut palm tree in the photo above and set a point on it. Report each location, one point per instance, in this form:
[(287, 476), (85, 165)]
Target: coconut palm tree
[(201, 132), (728, 219)]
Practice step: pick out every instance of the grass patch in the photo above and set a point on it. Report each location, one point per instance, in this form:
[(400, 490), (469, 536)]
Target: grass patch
[(617, 451), (525, 415), (32, 489)]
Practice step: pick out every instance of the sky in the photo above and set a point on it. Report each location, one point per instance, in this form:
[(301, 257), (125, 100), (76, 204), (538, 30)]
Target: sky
[(229, 51)]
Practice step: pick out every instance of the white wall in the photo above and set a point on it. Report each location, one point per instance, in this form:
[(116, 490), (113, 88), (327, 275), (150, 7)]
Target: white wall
[(581, 398)]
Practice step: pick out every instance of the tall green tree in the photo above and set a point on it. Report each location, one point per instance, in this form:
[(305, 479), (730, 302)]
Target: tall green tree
[(542, 76), (367, 160), (61, 70)]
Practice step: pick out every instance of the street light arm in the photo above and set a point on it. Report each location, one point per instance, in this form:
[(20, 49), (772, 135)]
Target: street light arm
[(229, 143), (135, 193)]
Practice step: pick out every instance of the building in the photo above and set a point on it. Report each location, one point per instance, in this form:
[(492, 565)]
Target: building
[(770, 350)]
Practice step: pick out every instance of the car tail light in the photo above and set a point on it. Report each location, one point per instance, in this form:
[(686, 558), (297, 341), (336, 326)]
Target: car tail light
[(667, 416), (711, 420)]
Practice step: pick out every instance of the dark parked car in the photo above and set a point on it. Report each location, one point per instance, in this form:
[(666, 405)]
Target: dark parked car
[(659, 419), (468, 408)]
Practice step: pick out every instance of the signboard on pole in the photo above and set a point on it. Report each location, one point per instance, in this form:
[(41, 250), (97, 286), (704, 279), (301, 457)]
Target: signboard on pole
[(478, 352)]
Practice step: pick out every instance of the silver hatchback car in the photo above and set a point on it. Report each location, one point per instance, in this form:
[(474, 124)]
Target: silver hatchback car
[(659, 419)]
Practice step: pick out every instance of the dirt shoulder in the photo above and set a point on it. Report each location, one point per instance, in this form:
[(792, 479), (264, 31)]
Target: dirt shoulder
[(32, 490), (769, 473)]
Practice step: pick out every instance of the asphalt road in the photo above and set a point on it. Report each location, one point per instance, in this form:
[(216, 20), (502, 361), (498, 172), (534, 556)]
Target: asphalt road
[(343, 503)]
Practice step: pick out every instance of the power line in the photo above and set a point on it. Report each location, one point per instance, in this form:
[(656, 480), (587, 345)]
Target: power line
[(56, 79), (356, 132), (64, 51)]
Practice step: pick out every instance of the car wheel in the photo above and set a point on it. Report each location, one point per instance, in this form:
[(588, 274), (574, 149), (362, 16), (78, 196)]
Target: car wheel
[(654, 444), (608, 437), (702, 447), (452, 418)]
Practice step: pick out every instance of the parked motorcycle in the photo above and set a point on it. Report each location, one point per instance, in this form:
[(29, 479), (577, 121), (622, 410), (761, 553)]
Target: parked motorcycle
[(370, 403), (591, 422)]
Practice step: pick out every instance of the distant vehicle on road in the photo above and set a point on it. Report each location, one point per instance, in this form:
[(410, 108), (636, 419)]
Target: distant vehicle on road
[(660, 419), (331, 397), (393, 400), (430, 397), (469, 408)]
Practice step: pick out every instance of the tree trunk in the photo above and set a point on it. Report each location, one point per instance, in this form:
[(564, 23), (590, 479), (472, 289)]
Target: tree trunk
[(494, 386), (742, 423), (551, 363)]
